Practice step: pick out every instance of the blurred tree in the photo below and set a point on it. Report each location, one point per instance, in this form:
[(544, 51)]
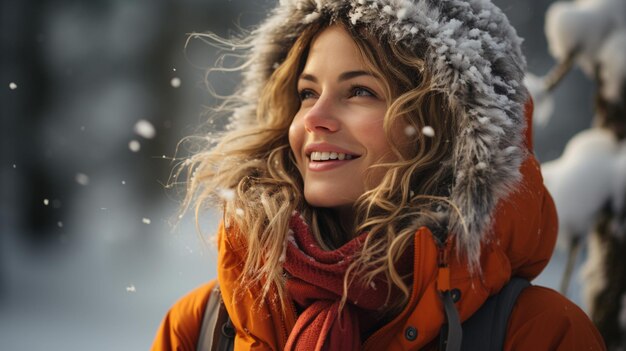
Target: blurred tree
[(588, 182)]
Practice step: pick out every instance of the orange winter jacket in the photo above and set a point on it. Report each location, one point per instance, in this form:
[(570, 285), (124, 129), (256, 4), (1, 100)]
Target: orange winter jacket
[(524, 234), (542, 319)]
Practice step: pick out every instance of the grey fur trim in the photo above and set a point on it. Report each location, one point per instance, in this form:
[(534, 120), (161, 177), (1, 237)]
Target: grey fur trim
[(475, 57)]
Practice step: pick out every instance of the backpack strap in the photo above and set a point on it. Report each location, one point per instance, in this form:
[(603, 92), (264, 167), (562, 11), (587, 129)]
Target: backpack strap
[(451, 334), (216, 331), (486, 329)]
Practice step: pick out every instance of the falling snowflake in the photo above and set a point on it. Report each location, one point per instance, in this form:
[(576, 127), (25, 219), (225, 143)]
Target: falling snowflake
[(146, 220), (46, 202), (410, 130), (13, 86), (428, 131), (123, 182), (239, 212), (131, 288), (60, 224), (134, 146), (226, 194), (81, 179), (175, 82), (402, 13), (145, 129), (174, 69), (14, 165)]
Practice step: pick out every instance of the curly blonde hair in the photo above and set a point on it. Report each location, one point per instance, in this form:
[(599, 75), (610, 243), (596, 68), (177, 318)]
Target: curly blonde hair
[(255, 166)]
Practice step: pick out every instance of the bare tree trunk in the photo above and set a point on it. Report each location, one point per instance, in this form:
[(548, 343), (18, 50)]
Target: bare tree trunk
[(558, 72), (573, 248), (606, 301), (608, 243)]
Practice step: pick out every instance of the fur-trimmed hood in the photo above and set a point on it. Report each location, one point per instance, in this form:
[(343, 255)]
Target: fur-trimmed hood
[(475, 57)]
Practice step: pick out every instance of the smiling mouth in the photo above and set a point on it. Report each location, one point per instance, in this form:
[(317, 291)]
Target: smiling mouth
[(321, 156)]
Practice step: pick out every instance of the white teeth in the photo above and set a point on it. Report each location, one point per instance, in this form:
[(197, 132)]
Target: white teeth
[(325, 156)]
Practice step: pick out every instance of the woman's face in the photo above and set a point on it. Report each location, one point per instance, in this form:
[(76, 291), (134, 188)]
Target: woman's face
[(337, 133)]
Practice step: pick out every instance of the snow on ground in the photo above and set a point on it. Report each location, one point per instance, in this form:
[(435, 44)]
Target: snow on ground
[(109, 282)]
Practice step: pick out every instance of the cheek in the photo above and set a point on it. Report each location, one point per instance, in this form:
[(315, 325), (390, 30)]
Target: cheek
[(404, 136), (373, 136), (296, 137)]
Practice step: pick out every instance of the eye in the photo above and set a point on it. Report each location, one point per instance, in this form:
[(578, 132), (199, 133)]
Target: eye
[(305, 94), (359, 91)]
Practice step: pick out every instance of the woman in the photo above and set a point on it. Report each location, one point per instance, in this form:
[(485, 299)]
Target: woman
[(378, 181)]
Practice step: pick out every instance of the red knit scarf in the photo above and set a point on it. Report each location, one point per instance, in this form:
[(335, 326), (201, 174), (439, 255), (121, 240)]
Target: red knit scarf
[(316, 286)]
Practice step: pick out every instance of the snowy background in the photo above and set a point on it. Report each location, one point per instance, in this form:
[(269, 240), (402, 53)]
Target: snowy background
[(89, 255)]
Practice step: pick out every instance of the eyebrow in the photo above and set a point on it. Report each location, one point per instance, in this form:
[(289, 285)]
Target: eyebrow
[(342, 77)]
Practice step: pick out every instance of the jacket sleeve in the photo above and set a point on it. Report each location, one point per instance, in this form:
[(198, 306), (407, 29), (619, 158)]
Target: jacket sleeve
[(257, 324), (543, 319), (180, 328)]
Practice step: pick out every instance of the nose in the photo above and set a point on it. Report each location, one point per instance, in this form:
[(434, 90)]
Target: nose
[(321, 118)]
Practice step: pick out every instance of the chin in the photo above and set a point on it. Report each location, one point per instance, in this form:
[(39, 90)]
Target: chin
[(329, 199), (326, 203)]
